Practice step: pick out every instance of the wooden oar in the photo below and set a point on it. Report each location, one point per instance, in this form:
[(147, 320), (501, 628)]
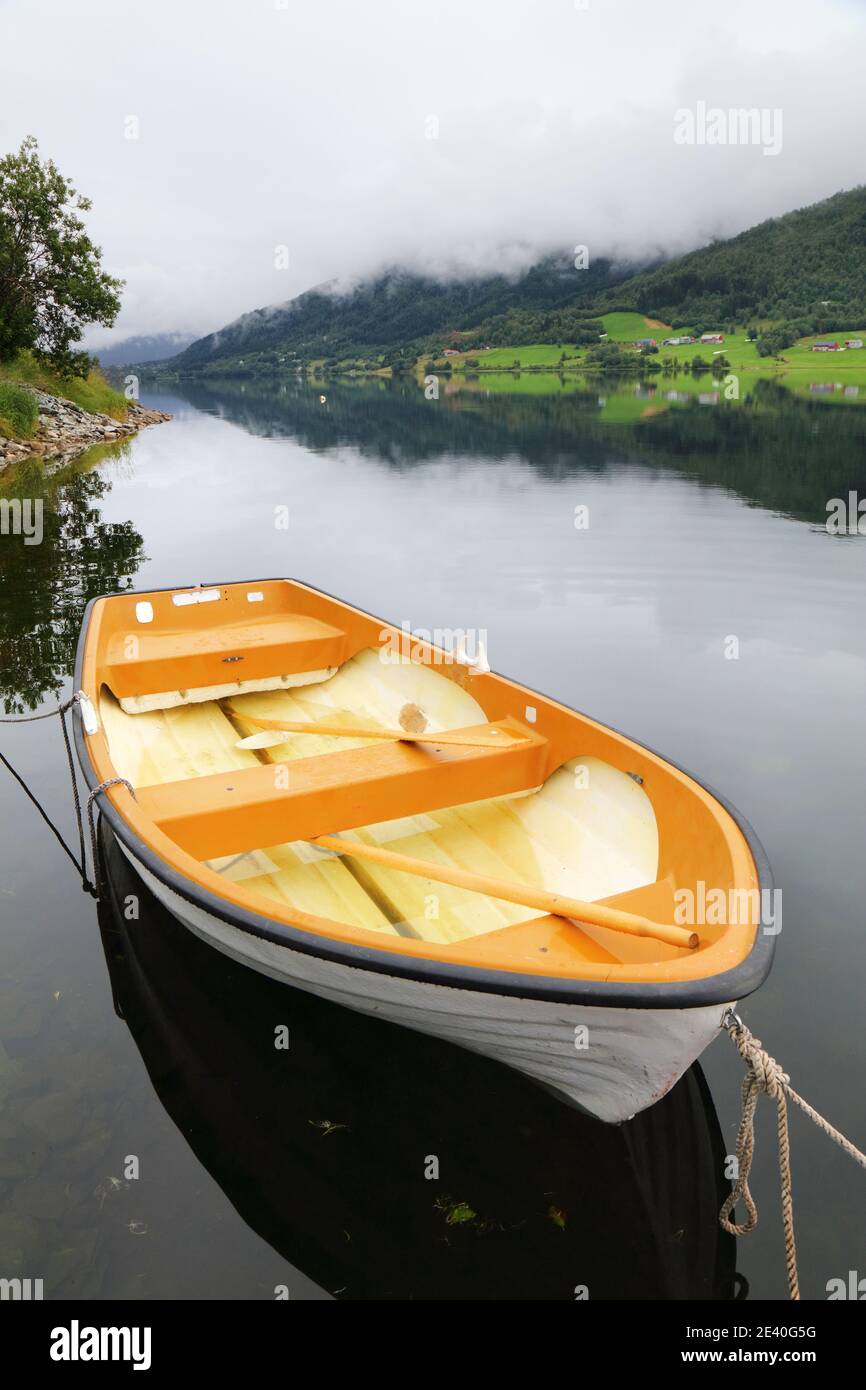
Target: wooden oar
[(495, 738), (594, 913)]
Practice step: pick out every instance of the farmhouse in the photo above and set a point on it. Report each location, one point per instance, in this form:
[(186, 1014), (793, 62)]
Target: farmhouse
[(645, 342), (827, 347), (853, 342), (677, 342), (712, 337), (451, 352)]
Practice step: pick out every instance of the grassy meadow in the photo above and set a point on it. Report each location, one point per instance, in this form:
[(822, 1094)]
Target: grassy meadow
[(544, 368)]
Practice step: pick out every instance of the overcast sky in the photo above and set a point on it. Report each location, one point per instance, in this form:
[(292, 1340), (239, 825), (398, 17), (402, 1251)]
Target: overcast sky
[(473, 134)]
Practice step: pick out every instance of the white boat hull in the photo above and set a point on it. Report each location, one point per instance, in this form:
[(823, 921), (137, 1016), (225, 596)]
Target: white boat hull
[(611, 1062)]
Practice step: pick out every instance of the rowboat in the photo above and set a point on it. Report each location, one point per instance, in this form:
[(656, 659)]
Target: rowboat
[(324, 1166), (377, 817)]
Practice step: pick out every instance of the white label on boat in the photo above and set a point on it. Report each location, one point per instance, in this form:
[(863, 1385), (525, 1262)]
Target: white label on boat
[(88, 714), (195, 596), (255, 596), (144, 611)]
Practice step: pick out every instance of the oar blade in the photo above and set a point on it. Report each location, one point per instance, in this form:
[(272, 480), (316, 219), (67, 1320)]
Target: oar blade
[(268, 738)]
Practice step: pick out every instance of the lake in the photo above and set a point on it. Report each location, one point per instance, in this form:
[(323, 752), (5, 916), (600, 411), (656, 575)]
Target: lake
[(661, 564)]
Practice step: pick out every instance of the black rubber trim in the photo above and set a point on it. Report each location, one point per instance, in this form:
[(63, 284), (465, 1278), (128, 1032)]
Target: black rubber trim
[(729, 986)]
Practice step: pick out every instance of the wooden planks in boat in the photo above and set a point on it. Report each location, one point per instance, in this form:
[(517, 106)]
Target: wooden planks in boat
[(588, 837)]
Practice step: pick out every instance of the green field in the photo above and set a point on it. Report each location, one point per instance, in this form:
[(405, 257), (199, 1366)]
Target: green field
[(627, 328), (545, 355), (839, 378)]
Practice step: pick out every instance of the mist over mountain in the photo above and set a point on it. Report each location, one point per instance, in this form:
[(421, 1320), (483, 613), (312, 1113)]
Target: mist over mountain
[(806, 270), (400, 307), (155, 347)]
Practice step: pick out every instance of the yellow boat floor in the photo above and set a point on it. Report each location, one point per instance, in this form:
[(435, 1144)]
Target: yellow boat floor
[(588, 832)]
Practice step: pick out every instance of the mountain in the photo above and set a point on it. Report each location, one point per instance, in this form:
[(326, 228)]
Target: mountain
[(804, 272), (398, 309), (807, 266), (155, 348)]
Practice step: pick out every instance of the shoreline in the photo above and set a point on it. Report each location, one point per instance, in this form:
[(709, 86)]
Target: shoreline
[(66, 430)]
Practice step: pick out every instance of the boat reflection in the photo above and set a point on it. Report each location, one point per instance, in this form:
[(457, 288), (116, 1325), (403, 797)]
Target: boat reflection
[(323, 1147)]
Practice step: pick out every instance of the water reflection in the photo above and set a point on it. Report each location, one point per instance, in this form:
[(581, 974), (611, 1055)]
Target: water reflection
[(775, 449), (457, 512), (323, 1148), (45, 587), (787, 454)]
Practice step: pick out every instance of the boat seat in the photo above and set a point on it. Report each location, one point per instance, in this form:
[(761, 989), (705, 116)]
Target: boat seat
[(258, 807), (149, 661)]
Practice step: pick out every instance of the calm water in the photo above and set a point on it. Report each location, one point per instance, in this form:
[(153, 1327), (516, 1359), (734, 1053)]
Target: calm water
[(128, 1038)]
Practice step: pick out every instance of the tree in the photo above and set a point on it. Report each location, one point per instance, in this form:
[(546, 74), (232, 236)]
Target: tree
[(51, 280)]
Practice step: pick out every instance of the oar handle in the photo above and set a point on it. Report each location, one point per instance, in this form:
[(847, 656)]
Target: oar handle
[(596, 914)]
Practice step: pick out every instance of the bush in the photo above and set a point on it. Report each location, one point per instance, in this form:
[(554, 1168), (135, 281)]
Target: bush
[(605, 355), (774, 342), (18, 410)]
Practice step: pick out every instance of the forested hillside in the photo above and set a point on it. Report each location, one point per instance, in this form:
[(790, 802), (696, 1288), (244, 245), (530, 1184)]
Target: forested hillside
[(809, 266), (793, 275), (400, 310)]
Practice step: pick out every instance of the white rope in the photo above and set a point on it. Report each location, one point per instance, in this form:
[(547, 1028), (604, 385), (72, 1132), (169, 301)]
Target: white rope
[(763, 1074)]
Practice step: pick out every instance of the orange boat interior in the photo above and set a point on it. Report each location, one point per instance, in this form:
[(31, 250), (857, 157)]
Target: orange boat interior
[(545, 803)]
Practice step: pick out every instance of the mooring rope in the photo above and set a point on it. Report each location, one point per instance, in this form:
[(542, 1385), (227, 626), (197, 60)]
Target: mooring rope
[(94, 849), (763, 1073), (93, 887), (43, 813), (47, 714), (61, 710)]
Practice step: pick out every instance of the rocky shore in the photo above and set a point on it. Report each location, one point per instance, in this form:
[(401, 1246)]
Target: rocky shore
[(65, 430)]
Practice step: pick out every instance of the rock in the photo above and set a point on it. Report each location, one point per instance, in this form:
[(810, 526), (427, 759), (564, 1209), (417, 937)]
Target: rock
[(65, 430)]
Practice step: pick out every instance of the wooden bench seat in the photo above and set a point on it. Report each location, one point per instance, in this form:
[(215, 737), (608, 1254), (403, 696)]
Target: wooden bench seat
[(255, 808), (147, 660)]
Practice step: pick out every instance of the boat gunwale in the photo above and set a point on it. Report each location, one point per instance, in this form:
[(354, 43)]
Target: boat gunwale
[(720, 988)]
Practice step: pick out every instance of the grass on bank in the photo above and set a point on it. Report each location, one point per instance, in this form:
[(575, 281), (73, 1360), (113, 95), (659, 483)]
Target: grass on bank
[(19, 413), (18, 410)]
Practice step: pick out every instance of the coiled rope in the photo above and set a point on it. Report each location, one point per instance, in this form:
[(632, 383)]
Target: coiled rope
[(763, 1074)]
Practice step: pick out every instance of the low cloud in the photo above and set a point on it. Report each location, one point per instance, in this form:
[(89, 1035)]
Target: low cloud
[(333, 139)]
